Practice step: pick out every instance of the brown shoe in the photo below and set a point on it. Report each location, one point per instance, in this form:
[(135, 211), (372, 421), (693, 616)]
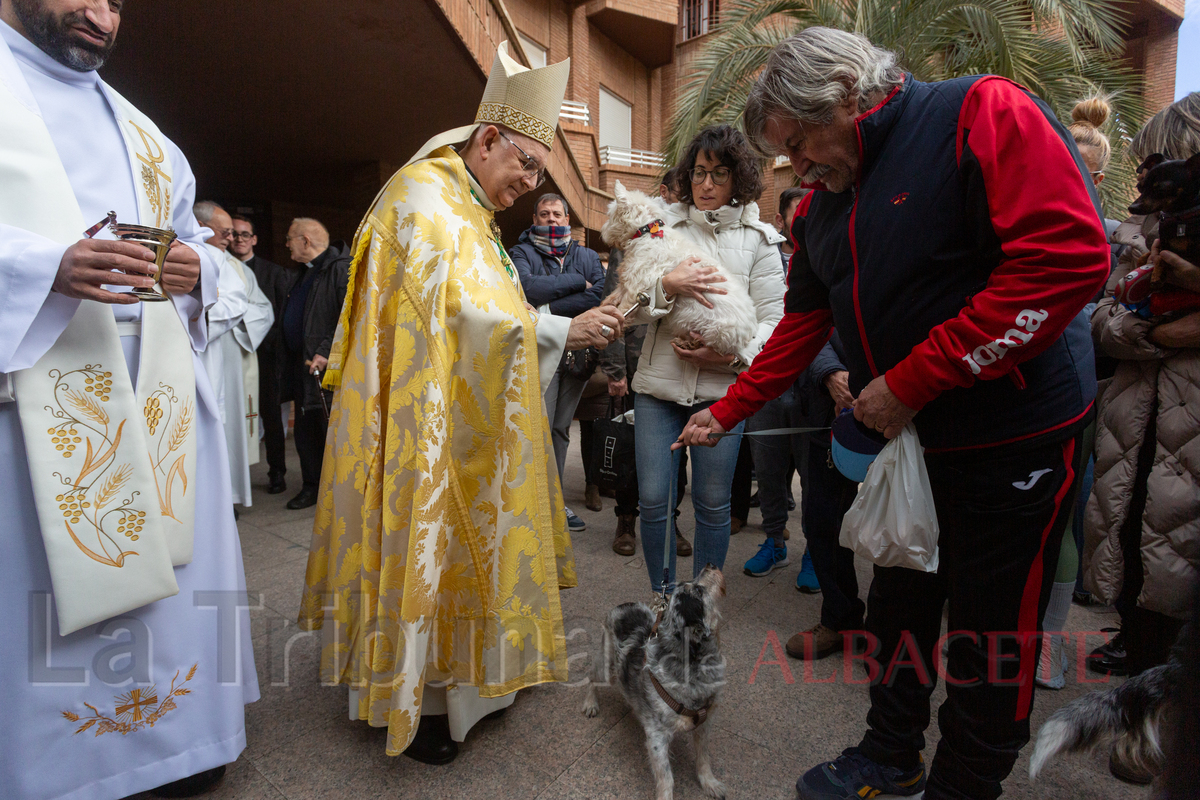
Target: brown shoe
[(825, 642), (624, 544), (683, 547), (591, 498), (736, 525), (786, 534), (1128, 771)]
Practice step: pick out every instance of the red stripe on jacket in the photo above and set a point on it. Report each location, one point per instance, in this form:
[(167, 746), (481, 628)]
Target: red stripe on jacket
[(1055, 254)]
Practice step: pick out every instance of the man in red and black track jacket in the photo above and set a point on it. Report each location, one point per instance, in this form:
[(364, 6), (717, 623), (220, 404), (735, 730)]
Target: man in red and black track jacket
[(955, 267)]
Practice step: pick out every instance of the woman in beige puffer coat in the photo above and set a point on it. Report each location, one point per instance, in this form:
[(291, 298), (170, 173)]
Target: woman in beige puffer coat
[(1142, 524)]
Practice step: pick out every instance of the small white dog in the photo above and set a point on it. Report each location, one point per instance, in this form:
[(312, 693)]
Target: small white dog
[(651, 250)]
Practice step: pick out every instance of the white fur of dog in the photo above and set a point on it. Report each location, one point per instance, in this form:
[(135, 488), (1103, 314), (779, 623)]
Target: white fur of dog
[(727, 327)]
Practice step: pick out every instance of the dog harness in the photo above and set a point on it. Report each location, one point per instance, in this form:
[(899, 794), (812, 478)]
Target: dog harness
[(698, 715), (653, 229)]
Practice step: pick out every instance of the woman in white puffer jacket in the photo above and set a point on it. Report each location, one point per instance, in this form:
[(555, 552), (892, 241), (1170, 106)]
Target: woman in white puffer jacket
[(718, 182)]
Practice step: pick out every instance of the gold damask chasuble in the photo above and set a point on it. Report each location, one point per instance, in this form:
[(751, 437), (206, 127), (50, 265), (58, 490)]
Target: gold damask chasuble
[(440, 540)]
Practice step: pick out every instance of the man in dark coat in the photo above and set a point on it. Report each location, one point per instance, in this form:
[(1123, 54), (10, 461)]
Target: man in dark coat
[(310, 317), (563, 278), (275, 282)]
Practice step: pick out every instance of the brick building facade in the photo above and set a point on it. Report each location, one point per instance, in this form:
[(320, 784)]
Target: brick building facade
[(610, 57), (307, 112)]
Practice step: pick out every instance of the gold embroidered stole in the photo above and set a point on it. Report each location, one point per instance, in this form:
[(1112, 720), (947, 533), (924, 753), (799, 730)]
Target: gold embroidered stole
[(112, 470)]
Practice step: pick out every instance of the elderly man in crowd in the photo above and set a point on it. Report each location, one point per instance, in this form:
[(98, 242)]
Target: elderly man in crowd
[(565, 278), (440, 544), (310, 316), (953, 239), (275, 281), (237, 324)]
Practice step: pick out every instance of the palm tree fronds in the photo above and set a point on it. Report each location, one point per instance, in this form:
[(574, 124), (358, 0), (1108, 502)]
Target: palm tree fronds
[(1062, 50)]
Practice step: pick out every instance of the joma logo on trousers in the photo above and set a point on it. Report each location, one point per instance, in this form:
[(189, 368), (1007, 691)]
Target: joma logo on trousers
[(995, 350), (1034, 477)]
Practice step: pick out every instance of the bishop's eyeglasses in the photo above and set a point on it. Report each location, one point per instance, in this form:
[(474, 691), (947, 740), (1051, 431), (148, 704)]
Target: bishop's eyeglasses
[(528, 163)]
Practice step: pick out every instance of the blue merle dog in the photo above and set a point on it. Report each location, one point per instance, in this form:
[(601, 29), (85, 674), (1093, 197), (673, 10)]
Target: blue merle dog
[(670, 670)]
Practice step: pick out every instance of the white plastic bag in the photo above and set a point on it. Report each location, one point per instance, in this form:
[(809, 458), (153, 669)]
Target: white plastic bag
[(892, 522)]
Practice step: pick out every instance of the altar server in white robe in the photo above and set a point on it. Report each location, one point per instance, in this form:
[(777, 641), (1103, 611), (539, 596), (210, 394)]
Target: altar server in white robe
[(127, 660), (237, 324)]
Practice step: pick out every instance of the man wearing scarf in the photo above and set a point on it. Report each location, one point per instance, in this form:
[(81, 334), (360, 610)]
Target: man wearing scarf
[(563, 278)]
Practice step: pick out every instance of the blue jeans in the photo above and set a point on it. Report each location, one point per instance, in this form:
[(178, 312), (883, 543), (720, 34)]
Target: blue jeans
[(658, 424)]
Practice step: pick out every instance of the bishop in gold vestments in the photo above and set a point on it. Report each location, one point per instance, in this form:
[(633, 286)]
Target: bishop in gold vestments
[(440, 541)]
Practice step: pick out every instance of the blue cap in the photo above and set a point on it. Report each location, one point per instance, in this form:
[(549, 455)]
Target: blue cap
[(854, 446)]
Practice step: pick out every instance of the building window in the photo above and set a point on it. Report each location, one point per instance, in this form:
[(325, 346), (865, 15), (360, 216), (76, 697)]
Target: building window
[(697, 17), (535, 52), (616, 121)]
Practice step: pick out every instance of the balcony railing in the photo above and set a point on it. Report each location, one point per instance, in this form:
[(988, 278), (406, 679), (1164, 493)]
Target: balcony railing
[(625, 157), (697, 17), (576, 112)]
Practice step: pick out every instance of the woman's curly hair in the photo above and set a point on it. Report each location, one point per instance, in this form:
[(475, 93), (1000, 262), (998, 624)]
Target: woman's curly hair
[(728, 146)]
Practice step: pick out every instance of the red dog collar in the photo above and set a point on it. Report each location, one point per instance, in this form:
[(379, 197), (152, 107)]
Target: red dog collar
[(653, 228)]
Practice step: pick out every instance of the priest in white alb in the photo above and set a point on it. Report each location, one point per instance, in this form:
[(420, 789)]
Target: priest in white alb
[(127, 661), (440, 541), (237, 324)]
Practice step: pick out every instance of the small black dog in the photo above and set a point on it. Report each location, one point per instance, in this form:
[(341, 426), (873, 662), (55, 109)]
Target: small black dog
[(1172, 190), (671, 671)]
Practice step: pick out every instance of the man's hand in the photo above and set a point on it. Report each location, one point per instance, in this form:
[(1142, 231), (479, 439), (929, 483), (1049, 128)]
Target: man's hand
[(877, 408), (181, 270), (317, 365), (89, 263), (698, 429), (618, 388), (691, 279), (1176, 271), (589, 328), (838, 384), (1182, 332)]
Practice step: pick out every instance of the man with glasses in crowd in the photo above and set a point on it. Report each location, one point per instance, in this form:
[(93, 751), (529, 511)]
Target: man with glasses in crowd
[(237, 324), (275, 282), (563, 278)]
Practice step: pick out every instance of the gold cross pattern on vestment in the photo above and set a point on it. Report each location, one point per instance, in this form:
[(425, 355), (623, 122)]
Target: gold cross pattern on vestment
[(134, 701)]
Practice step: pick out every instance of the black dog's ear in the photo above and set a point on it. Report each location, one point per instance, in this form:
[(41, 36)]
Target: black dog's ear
[(1152, 161), (1193, 166)]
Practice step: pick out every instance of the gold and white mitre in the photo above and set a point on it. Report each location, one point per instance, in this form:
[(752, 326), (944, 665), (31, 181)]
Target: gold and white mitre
[(526, 100)]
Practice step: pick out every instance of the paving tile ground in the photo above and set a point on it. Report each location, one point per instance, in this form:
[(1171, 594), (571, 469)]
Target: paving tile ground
[(773, 724)]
